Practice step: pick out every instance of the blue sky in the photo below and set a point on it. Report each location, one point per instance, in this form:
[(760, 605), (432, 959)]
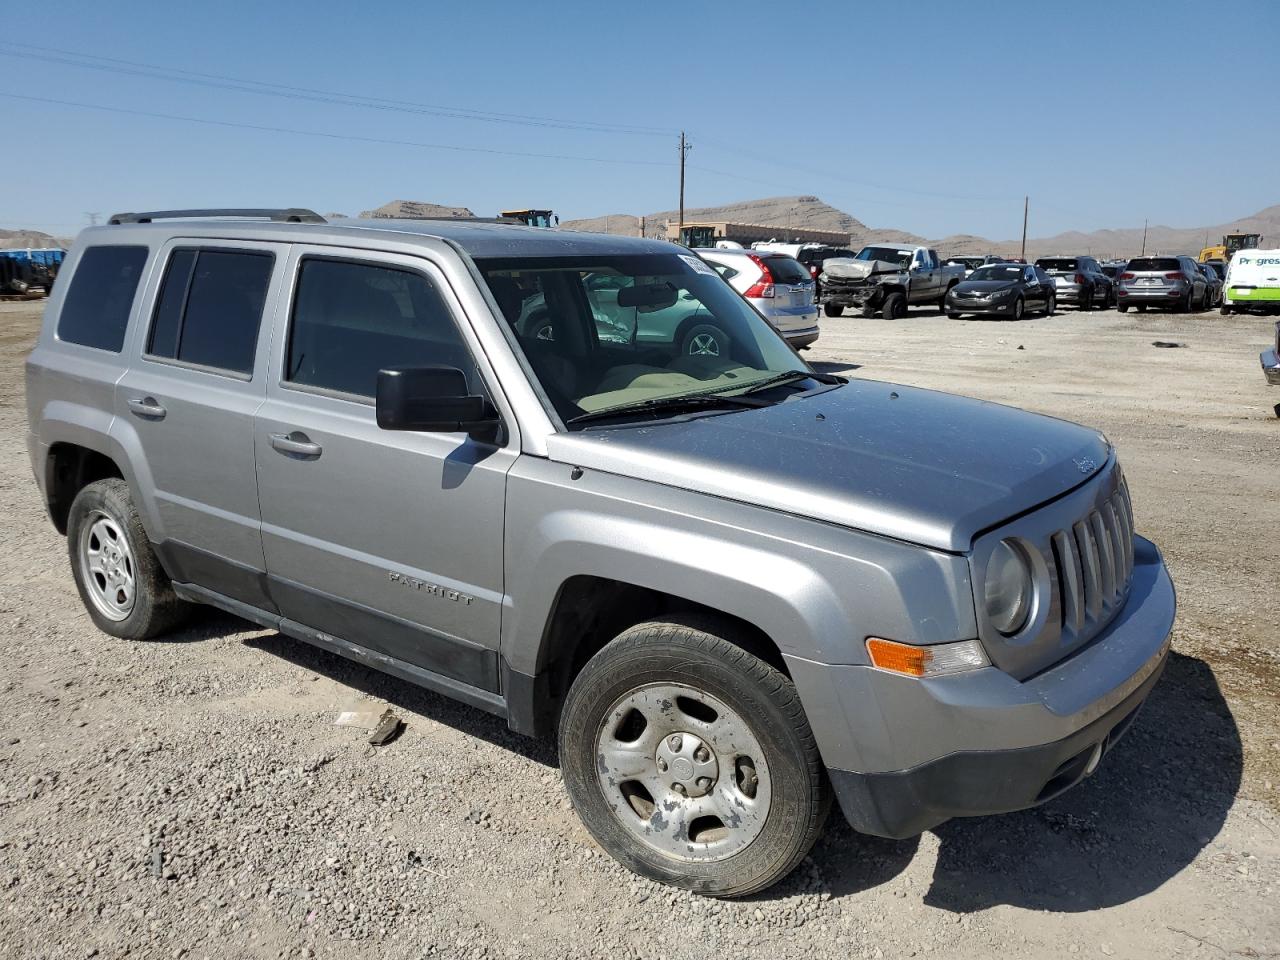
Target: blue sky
[(937, 122)]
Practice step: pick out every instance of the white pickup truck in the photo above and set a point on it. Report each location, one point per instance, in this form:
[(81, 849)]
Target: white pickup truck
[(886, 279)]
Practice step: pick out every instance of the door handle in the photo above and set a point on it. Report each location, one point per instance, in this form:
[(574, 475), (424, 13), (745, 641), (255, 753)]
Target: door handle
[(296, 444), (146, 407)]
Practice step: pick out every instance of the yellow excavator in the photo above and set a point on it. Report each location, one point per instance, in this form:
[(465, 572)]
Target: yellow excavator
[(532, 218), (1231, 242)]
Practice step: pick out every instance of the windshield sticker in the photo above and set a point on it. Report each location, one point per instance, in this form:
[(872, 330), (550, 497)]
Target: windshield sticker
[(699, 265)]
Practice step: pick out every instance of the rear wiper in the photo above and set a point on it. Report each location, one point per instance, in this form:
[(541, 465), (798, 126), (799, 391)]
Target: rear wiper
[(700, 401), (790, 376)]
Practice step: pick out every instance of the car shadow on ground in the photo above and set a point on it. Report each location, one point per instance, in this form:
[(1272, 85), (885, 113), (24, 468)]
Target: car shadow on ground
[(1158, 799), (406, 696), (834, 366)]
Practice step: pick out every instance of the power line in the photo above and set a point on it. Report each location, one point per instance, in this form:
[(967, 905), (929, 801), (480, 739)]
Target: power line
[(355, 138), (287, 91)]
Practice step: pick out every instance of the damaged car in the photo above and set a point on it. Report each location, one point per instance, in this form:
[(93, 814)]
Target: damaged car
[(885, 279)]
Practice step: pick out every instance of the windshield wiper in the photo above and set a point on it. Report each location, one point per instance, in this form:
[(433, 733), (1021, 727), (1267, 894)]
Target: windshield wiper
[(699, 401), (790, 376)]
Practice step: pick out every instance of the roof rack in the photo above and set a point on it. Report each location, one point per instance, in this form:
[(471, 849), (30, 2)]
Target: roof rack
[(290, 215)]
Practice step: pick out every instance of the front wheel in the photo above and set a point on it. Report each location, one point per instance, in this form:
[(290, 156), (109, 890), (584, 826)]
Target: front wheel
[(952, 315), (119, 578), (691, 760), (1019, 308), (894, 307), (833, 309)]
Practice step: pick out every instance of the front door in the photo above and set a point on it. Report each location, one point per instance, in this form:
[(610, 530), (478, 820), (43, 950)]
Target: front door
[(390, 540), (195, 381)]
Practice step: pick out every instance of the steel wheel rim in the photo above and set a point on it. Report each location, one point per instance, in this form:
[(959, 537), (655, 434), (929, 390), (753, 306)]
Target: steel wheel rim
[(692, 783), (704, 345), (107, 567)]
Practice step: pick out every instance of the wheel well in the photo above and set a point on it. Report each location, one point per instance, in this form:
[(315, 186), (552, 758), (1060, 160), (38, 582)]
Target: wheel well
[(69, 469), (590, 611)]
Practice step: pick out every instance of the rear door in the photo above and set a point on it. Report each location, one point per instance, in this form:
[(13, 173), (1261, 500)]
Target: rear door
[(390, 540), (189, 398)]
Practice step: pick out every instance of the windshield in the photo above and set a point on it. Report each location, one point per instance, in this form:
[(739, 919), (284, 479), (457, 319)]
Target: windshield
[(606, 332), (887, 254), (998, 272)]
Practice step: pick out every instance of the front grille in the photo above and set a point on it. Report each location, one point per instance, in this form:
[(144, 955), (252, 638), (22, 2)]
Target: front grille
[(1093, 564)]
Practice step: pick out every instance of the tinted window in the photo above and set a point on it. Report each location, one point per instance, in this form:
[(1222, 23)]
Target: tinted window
[(1163, 264), (210, 308), (786, 270), (96, 309), (1058, 263), (351, 320)]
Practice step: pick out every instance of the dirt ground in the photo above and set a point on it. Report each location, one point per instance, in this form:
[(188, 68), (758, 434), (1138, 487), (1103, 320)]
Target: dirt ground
[(193, 798)]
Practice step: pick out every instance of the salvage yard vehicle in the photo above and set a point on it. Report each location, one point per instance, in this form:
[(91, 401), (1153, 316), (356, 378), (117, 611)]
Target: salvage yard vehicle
[(1003, 289), (733, 586), (971, 264), (775, 284), (1270, 360), (1080, 281), (1213, 292), (887, 279), (1169, 282), (1253, 283), (812, 255)]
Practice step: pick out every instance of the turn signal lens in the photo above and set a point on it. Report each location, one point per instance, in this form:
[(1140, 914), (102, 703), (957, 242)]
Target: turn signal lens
[(938, 660)]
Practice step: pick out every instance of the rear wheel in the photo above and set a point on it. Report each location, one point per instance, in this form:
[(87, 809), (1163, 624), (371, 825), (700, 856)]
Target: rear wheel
[(1188, 302), (894, 307), (1123, 308), (833, 309), (691, 761), (1051, 306), (119, 578), (953, 315), (705, 340)]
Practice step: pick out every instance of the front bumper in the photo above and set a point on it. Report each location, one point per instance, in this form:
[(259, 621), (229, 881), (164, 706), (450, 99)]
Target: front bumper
[(957, 305), (1270, 367), (905, 755), (861, 295)]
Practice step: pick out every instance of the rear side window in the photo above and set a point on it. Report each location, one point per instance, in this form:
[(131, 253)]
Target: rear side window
[(95, 312), (210, 308), (352, 319), (1163, 264)]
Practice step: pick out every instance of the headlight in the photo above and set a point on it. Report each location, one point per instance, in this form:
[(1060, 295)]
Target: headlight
[(1008, 588), (1001, 294)]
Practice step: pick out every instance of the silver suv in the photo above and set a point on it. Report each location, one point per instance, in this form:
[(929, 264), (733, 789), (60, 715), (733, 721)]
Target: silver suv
[(733, 586)]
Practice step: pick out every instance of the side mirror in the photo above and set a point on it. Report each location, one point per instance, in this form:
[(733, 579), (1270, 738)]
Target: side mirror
[(432, 399)]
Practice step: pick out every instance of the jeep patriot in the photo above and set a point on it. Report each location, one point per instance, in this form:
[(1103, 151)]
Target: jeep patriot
[(735, 588)]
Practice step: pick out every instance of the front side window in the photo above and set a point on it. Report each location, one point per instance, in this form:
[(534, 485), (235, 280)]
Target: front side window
[(96, 309), (210, 308), (354, 318), (619, 332)]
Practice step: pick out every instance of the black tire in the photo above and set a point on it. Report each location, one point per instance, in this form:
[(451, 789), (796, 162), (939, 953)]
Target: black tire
[(705, 340), (953, 315), (833, 309), (1226, 311), (1142, 308), (894, 307), (156, 609), (1018, 310), (1086, 299), (697, 652), (1051, 306), (1187, 305), (1123, 308)]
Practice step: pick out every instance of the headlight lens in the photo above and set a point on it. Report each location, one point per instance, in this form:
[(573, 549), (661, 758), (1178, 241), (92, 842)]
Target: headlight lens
[(1001, 294), (1008, 588)]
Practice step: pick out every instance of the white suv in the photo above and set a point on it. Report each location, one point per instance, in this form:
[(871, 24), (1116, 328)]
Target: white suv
[(777, 285)]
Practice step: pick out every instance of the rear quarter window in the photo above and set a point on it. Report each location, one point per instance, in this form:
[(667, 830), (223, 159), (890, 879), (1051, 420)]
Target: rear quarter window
[(96, 309)]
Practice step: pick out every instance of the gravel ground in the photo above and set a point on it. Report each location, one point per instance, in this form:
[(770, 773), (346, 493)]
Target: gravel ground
[(193, 798)]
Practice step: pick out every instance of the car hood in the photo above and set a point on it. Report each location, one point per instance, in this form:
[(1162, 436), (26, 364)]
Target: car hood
[(984, 286), (916, 465)]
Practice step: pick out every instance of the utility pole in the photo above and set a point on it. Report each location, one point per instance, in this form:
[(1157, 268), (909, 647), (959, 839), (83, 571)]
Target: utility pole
[(685, 147), (1026, 203), (93, 219), (1144, 238)]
